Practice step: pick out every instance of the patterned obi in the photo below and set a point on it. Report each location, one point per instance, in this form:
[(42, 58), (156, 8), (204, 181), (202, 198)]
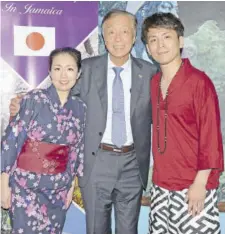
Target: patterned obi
[(42, 157)]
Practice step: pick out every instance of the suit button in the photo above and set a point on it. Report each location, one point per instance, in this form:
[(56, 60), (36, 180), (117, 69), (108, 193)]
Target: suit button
[(93, 153), (100, 133)]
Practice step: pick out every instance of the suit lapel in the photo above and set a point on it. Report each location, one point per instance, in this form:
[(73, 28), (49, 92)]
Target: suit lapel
[(101, 81), (137, 82)]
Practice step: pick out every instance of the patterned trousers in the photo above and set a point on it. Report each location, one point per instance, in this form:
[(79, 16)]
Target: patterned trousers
[(169, 213)]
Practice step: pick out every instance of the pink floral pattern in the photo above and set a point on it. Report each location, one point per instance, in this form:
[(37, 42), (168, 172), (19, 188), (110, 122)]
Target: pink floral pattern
[(38, 200)]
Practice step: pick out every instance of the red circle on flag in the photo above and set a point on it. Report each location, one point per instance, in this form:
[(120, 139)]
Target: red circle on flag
[(35, 41)]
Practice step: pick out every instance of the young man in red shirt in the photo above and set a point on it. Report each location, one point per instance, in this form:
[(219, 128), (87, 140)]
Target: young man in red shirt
[(187, 140)]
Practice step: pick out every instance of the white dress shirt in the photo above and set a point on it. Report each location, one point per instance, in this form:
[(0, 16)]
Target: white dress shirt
[(126, 79)]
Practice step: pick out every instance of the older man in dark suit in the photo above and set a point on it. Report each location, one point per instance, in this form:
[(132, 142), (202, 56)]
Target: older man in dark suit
[(115, 87)]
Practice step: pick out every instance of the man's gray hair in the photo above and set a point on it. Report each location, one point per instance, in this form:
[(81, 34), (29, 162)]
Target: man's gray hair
[(120, 12)]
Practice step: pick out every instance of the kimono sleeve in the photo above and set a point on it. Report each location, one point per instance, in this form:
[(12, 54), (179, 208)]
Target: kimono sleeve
[(80, 148), (76, 166), (16, 132), (210, 155)]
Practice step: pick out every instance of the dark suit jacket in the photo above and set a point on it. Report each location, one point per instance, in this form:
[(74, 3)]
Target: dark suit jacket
[(92, 88)]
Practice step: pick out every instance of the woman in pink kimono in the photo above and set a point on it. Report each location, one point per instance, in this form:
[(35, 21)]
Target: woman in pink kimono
[(42, 150)]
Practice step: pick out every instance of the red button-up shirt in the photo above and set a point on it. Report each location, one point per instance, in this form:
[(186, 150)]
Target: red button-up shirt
[(194, 139)]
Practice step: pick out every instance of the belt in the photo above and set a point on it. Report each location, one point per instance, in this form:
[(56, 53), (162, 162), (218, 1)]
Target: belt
[(42, 157), (114, 148)]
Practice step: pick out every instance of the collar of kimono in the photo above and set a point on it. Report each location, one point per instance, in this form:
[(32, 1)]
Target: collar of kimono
[(54, 95)]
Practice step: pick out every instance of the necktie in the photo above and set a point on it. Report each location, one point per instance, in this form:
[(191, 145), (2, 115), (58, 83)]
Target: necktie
[(118, 113)]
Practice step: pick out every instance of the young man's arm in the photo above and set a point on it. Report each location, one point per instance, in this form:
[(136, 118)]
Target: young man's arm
[(210, 156), (197, 192)]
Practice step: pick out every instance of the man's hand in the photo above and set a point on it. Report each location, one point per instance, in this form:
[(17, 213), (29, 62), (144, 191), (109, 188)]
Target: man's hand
[(196, 198), (14, 106)]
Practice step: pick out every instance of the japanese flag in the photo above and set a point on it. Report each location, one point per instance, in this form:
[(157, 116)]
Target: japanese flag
[(33, 41)]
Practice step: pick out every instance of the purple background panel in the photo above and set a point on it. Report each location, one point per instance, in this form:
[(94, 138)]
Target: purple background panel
[(74, 24)]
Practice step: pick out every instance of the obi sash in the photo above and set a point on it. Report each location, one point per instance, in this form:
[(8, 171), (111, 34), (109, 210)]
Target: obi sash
[(42, 157)]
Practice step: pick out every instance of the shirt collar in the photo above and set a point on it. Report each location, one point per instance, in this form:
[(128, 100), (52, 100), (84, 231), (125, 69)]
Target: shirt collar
[(125, 65), (180, 77)]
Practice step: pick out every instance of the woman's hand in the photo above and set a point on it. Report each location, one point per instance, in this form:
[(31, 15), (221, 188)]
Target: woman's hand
[(5, 197), (69, 196)]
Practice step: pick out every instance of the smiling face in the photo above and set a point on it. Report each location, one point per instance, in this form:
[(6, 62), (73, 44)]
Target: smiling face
[(119, 36), (164, 45), (63, 72)]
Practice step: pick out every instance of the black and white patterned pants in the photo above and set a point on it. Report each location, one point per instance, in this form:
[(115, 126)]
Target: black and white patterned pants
[(169, 213)]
